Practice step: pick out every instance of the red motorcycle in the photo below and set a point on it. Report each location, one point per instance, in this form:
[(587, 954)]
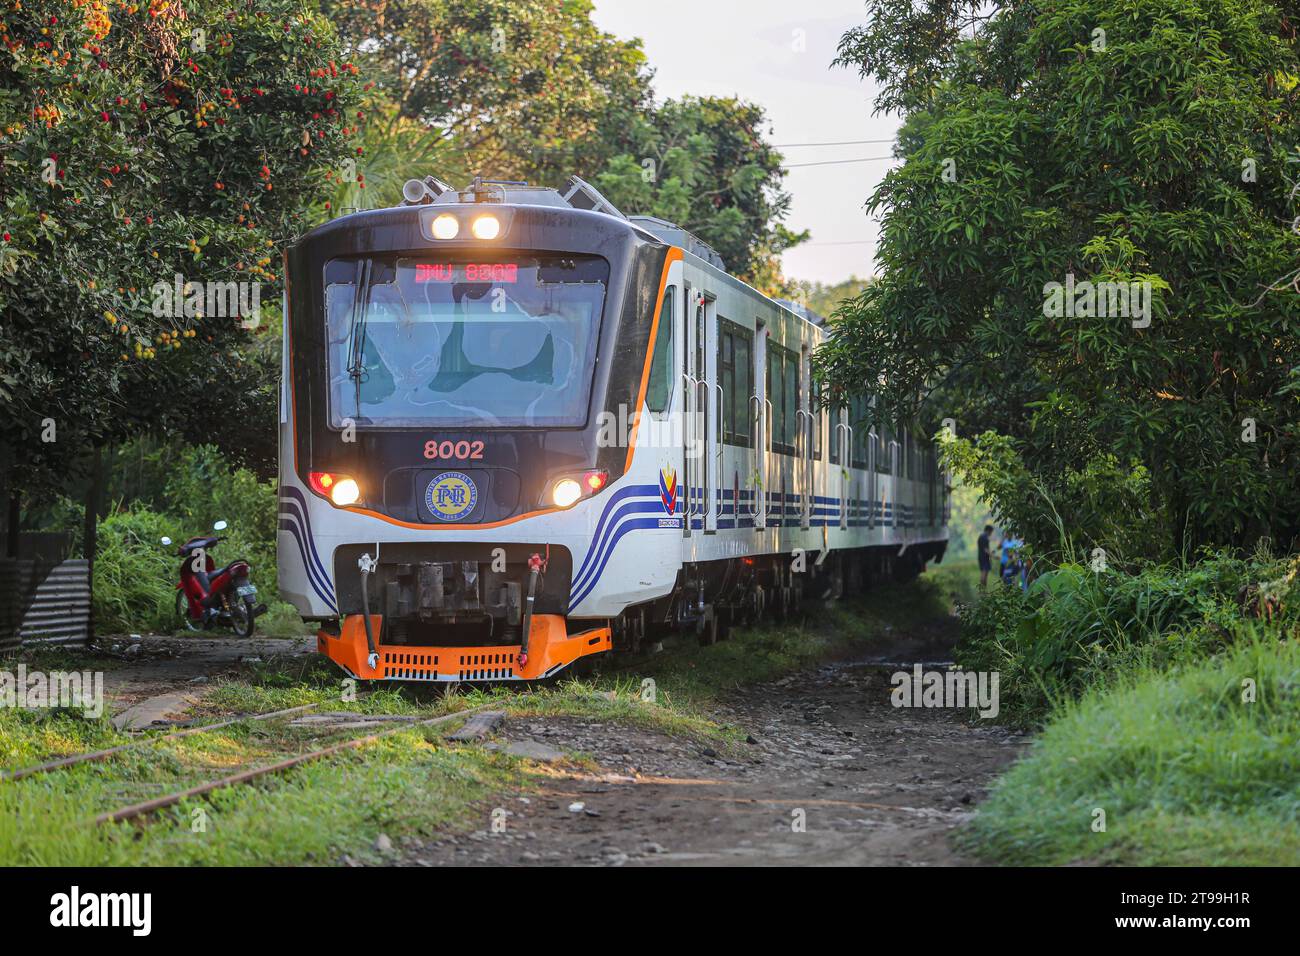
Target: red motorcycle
[(207, 597)]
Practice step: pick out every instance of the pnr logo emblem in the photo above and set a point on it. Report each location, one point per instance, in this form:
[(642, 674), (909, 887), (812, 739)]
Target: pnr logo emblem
[(668, 488), (450, 496)]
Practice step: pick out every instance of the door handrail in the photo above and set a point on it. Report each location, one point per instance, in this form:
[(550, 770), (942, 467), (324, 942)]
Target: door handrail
[(767, 489), (760, 447), (721, 434)]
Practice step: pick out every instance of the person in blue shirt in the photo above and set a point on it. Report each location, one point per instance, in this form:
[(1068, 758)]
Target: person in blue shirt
[(1013, 563)]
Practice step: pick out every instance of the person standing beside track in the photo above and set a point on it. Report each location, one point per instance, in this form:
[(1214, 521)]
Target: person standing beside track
[(986, 562)]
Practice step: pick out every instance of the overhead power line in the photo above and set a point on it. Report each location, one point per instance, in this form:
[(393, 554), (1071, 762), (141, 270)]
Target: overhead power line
[(838, 162), (847, 142)]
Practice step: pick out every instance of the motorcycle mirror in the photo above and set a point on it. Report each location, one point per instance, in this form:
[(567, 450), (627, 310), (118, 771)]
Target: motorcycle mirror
[(219, 526), (166, 540)]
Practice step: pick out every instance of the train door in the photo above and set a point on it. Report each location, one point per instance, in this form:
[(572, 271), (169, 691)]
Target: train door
[(873, 477), (690, 410), (711, 405), (774, 406), (760, 409), (841, 455), (699, 431), (895, 480), (807, 423)]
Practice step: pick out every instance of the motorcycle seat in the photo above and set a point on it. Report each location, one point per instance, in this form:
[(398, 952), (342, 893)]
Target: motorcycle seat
[(216, 572)]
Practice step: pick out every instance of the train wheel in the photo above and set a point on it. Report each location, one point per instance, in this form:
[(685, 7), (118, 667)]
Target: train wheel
[(706, 630), (753, 612), (633, 632), (780, 603), (724, 618)]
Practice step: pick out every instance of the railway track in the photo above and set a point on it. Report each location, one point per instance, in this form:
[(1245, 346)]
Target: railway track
[(148, 807), (109, 752), (137, 810)]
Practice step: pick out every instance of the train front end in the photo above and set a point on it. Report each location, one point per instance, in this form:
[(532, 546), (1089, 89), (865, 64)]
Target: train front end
[(444, 456)]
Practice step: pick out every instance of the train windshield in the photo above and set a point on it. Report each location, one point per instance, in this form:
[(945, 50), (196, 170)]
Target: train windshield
[(414, 342)]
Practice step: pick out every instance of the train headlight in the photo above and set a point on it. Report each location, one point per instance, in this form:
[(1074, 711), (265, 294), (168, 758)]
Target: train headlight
[(345, 492), (446, 227), (484, 227), (339, 489), (566, 492)]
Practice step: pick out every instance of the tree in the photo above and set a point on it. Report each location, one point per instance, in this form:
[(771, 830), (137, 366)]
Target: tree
[(1053, 146), (506, 89), (532, 90), (825, 298), (149, 147), (703, 163)]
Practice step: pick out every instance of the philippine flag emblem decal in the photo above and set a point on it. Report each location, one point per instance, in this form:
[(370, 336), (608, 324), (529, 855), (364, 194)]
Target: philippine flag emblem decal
[(668, 488)]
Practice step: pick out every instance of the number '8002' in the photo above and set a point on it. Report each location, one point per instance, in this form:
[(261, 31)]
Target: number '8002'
[(434, 449)]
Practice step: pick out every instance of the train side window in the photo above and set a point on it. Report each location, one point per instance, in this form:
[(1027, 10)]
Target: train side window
[(858, 453), (660, 389), (793, 400), (885, 451), (835, 436), (783, 392), (735, 375)]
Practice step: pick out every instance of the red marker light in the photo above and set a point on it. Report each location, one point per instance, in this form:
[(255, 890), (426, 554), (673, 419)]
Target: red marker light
[(321, 482), (595, 480), (339, 490)]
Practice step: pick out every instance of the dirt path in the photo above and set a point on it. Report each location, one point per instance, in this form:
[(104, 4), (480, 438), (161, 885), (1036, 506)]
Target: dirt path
[(154, 668), (874, 784)]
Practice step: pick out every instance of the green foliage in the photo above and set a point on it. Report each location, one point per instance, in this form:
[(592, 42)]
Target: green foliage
[(966, 522), (534, 91), (1101, 505), (1033, 152), (135, 575), (1077, 627), (824, 298), (702, 163), (515, 90), (139, 143), (1187, 767)]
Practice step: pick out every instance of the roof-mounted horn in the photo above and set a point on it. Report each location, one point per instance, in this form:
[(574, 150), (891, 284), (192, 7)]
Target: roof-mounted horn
[(420, 192)]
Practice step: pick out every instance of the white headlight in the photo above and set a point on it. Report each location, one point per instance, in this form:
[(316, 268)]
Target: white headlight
[(345, 492), (445, 227), (486, 227), (566, 492)]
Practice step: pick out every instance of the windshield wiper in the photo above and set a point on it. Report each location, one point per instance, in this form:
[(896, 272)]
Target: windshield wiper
[(357, 329)]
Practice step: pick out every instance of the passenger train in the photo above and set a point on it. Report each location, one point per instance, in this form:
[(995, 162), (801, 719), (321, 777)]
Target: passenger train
[(519, 428)]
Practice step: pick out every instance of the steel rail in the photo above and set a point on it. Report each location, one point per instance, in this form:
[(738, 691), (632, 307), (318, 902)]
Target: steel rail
[(247, 776), (95, 755)]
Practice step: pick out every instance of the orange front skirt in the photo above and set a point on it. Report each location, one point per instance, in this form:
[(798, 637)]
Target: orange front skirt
[(551, 648)]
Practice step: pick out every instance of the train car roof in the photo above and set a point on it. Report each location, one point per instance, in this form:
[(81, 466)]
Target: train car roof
[(580, 195)]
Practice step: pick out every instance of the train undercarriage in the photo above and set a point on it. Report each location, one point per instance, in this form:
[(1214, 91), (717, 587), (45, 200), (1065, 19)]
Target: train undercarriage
[(497, 613)]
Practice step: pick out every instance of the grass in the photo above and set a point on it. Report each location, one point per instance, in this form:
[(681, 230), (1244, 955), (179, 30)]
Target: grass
[(406, 786), (1185, 770), (688, 678)]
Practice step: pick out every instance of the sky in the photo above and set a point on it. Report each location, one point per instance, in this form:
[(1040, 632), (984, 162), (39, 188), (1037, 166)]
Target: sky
[(778, 54)]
